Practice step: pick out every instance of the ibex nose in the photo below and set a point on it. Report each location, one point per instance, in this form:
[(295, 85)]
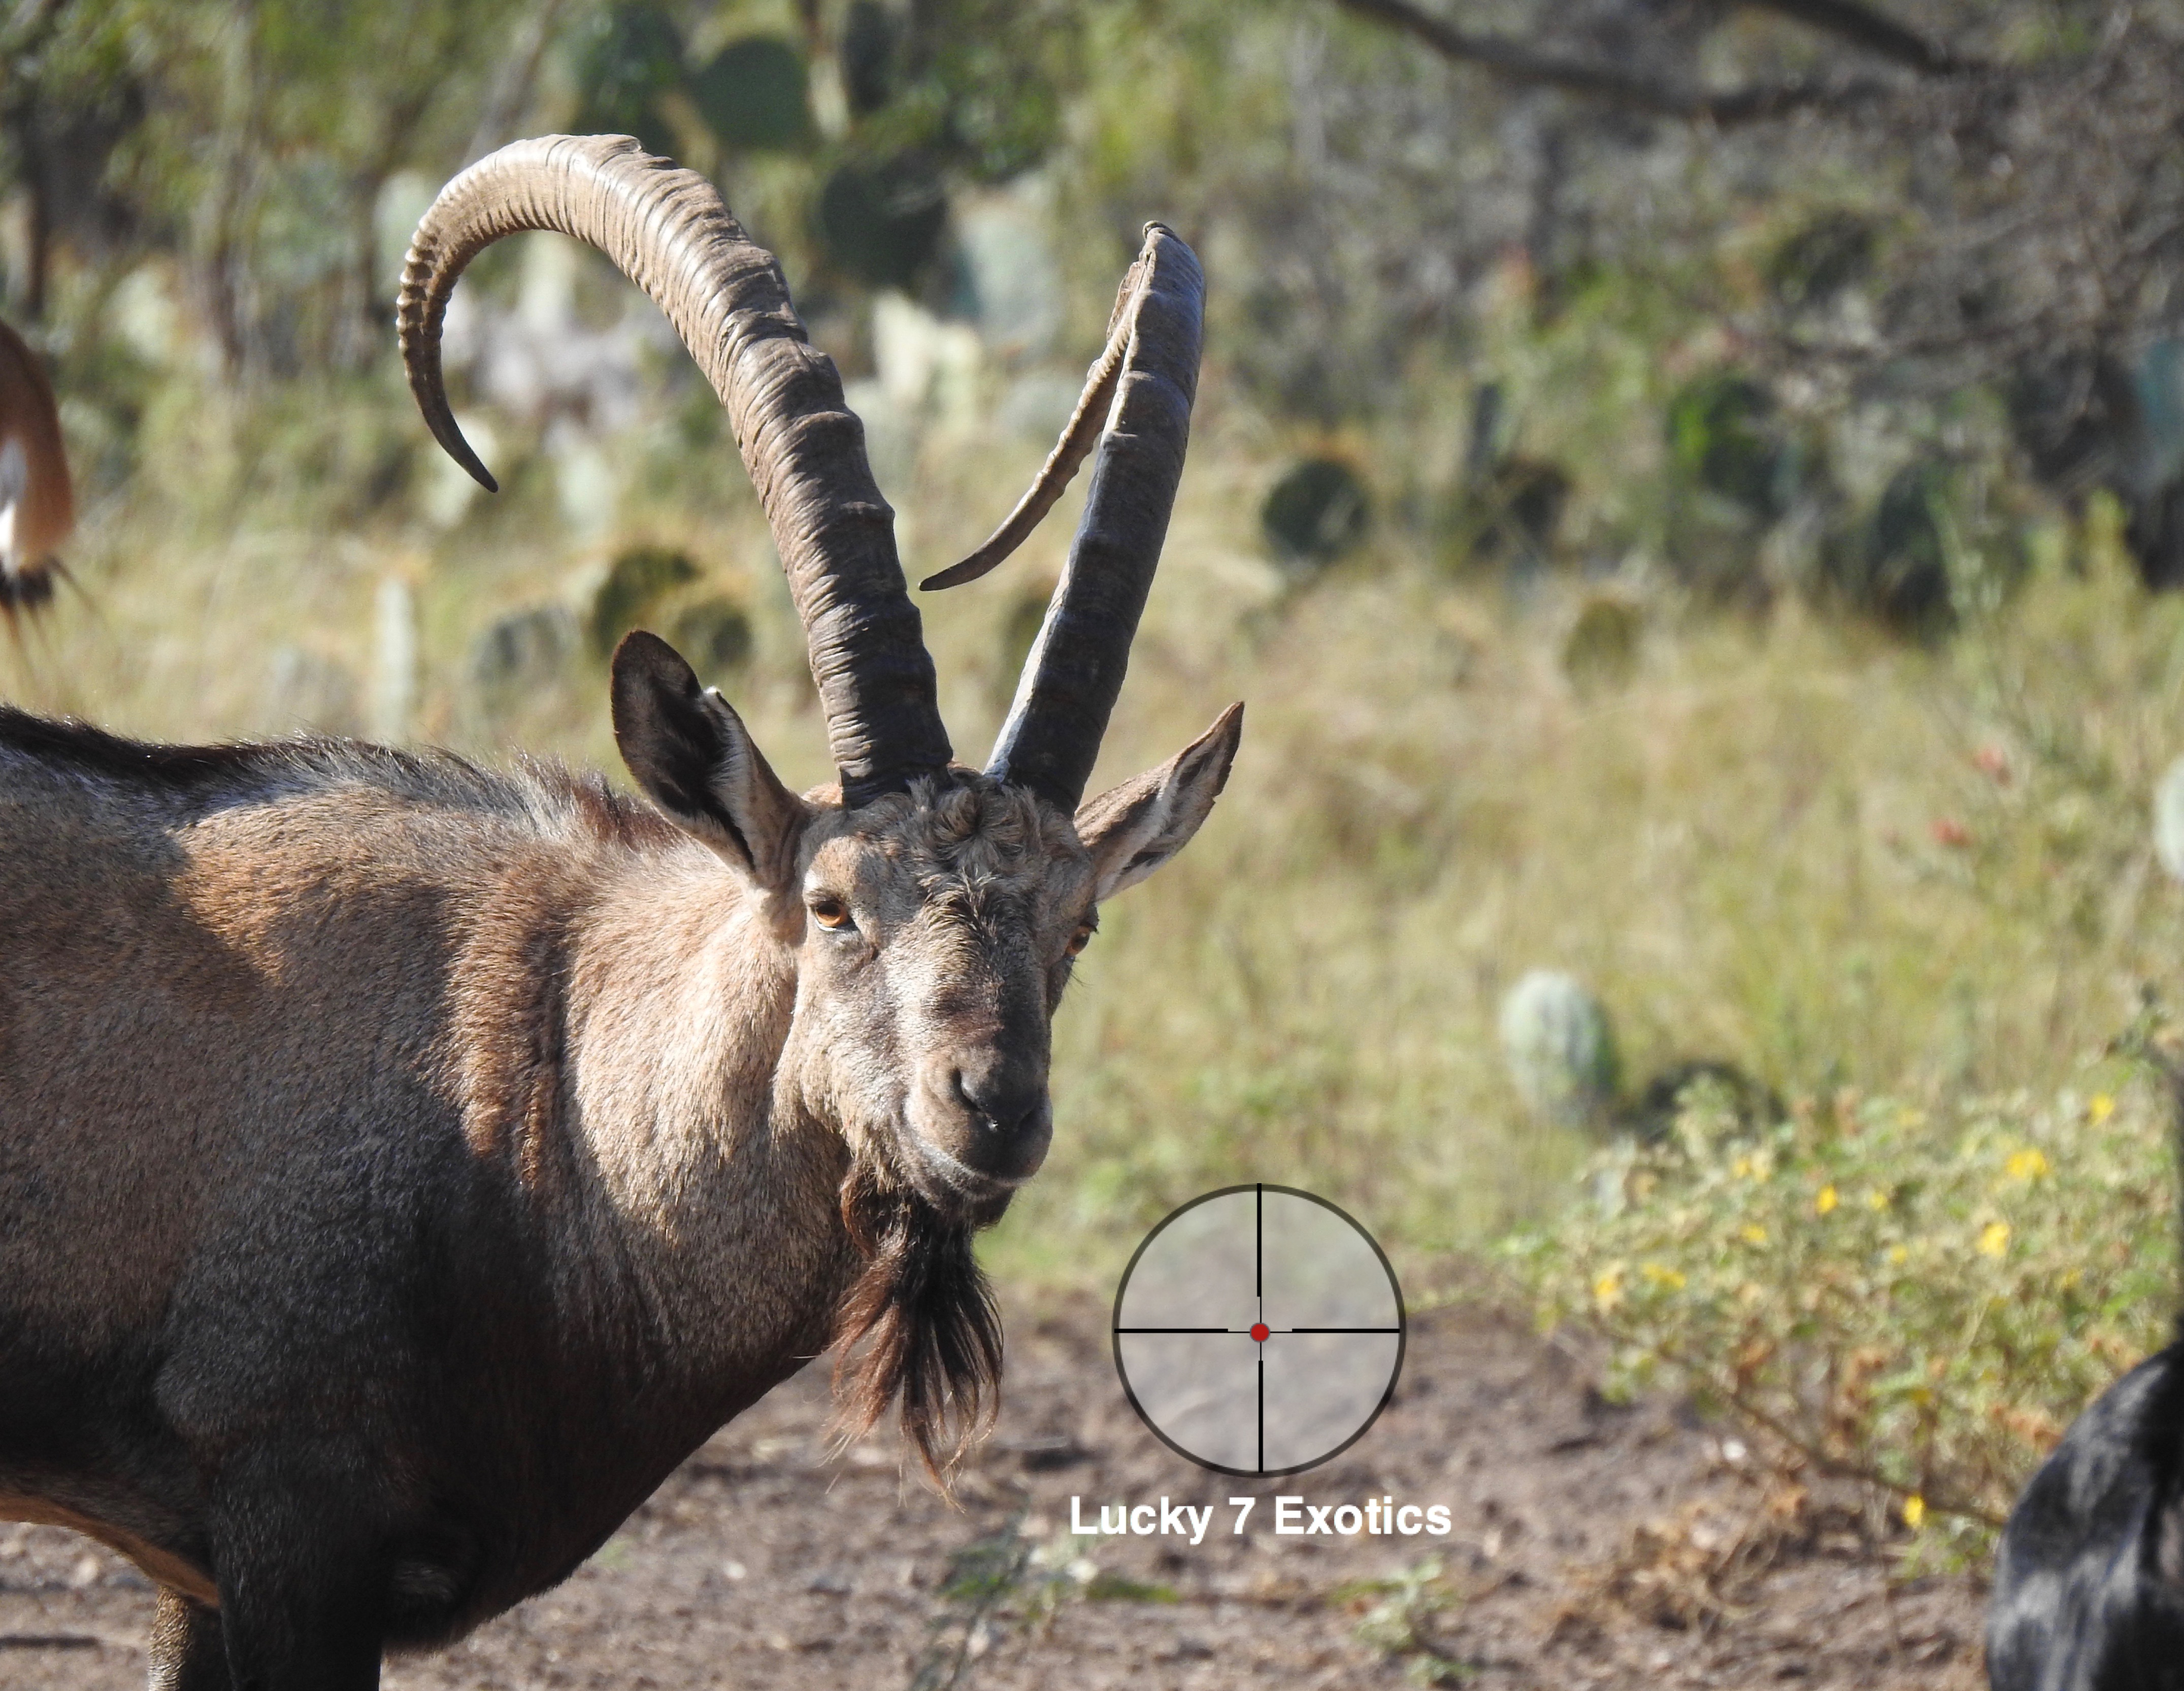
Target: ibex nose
[(1010, 1123)]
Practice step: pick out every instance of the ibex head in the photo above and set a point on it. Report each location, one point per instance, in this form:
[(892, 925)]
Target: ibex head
[(929, 912), (933, 927)]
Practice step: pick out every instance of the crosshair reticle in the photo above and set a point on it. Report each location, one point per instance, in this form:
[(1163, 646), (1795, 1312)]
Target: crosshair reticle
[(1259, 1330)]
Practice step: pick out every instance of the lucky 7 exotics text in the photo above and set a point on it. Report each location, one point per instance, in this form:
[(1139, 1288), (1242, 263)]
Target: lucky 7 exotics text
[(1291, 1516)]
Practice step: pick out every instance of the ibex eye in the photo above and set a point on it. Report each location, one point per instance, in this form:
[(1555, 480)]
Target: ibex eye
[(1080, 939), (830, 913)]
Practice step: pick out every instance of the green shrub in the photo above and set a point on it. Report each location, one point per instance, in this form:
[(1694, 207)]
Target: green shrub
[(1320, 510), (1922, 1301), (1724, 435), (639, 577), (753, 93)]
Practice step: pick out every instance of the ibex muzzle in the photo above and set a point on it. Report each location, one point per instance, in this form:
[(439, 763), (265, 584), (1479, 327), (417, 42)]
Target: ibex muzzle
[(404, 1166)]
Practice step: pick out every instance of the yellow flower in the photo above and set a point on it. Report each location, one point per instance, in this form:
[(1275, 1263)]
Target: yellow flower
[(1740, 1168), (1914, 1511), (1608, 1290), (1826, 1200), (1898, 1255), (1660, 1274), (2028, 1164), (1876, 1199), (2099, 1108), (1754, 1233), (1994, 1239)]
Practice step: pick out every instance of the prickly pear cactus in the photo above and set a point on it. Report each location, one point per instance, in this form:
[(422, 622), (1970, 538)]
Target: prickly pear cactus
[(1560, 1047), (2169, 819)]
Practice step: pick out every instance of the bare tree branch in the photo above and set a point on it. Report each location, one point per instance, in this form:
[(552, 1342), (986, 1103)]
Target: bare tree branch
[(1863, 27), (1517, 62)]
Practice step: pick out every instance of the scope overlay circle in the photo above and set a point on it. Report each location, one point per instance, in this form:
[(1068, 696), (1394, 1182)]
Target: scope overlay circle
[(1259, 1330)]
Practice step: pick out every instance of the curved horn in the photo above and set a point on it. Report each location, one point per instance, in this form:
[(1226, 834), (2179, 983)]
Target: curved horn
[(1051, 738), (668, 230), (1078, 437)]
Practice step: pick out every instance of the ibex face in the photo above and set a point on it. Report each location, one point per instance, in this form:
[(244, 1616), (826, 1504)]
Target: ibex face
[(934, 928), (940, 927)]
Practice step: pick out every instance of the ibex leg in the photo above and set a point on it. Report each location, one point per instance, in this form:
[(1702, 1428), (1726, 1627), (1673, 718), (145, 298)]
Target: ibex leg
[(302, 1591), (188, 1651)]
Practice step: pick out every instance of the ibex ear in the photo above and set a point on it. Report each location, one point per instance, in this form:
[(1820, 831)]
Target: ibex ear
[(1132, 830), (692, 754)]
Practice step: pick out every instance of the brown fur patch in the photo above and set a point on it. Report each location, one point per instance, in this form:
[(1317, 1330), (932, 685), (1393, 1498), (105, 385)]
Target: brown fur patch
[(609, 817), (510, 1028)]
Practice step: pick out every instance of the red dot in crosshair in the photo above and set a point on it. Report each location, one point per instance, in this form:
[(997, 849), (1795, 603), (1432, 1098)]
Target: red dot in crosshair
[(1260, 1331)]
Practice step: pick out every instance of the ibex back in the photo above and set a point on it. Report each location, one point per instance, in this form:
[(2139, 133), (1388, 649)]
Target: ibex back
[(404, 1166)]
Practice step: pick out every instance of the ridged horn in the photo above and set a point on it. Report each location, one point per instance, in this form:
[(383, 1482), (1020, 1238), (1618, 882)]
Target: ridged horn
[(1069, 684), (668, 230)]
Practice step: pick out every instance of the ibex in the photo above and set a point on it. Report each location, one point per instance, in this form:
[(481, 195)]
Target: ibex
[(404, 1166), (37, 506)]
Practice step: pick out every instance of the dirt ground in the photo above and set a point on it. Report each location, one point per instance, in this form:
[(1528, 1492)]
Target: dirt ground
[(1592, 1547)]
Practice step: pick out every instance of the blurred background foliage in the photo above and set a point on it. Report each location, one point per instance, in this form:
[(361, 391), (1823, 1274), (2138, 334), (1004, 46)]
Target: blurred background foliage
[(1690, 489)]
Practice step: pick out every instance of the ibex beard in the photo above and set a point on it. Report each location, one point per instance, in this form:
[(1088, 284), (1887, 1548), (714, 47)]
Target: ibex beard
[(404, 1166)]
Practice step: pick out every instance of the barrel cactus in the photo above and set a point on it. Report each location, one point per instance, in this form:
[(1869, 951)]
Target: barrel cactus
[(1560, 1047)]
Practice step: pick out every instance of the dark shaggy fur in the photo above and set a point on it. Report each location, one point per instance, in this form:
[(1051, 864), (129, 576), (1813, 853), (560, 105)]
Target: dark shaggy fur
[(2089, 1583), (919, 1322)]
